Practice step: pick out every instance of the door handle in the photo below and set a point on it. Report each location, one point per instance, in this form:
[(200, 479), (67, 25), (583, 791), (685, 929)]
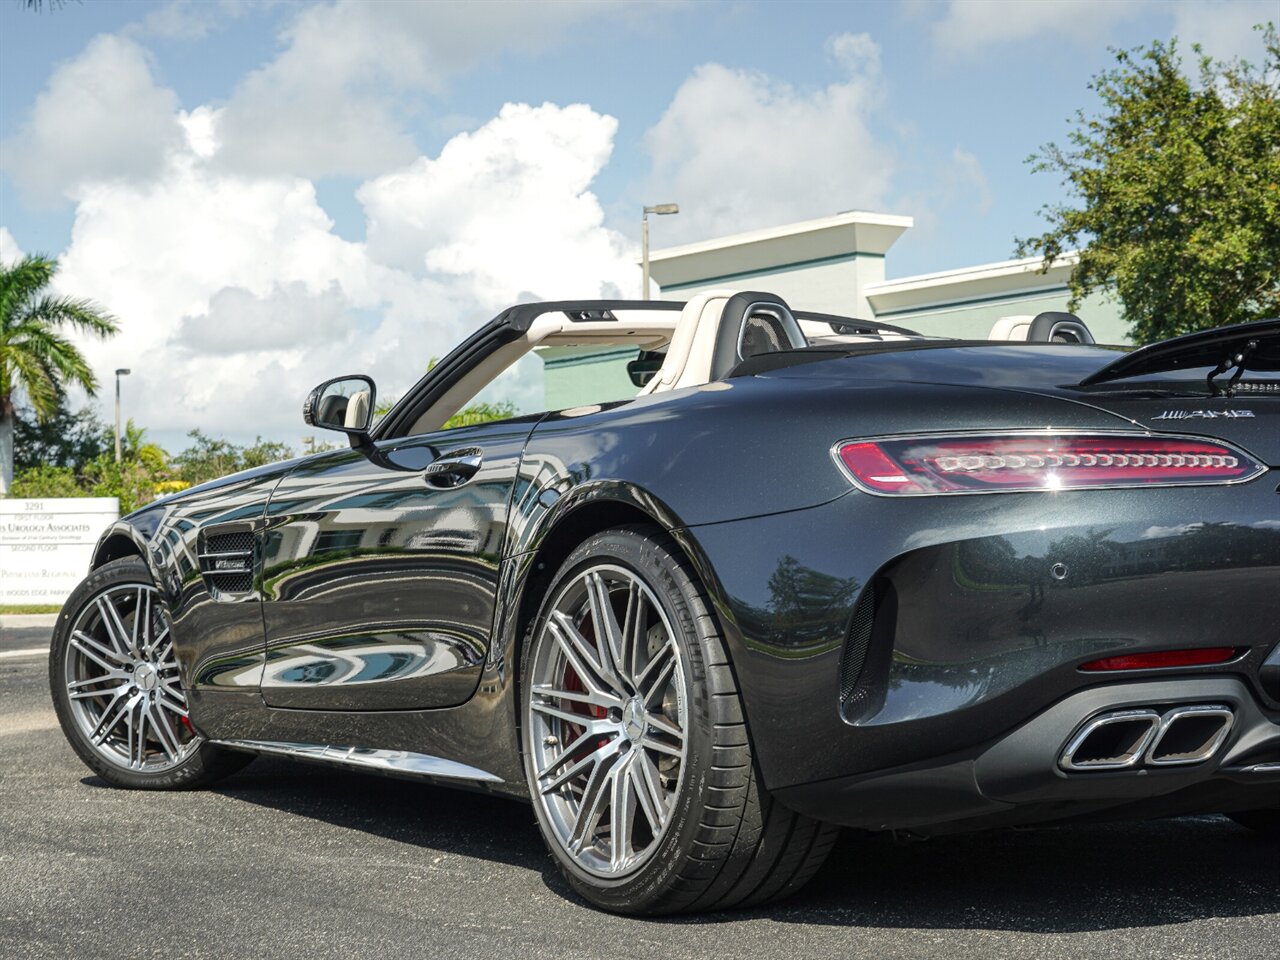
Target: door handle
[(455, 468)]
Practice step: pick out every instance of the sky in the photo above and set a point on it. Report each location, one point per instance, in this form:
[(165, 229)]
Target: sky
[(267, 194)]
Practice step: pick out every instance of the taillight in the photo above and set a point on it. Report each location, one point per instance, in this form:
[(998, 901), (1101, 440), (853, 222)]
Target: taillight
[(915, 466)]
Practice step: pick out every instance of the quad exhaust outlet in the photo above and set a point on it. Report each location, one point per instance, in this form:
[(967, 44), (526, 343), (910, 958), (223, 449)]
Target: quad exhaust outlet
[(1125, 739)]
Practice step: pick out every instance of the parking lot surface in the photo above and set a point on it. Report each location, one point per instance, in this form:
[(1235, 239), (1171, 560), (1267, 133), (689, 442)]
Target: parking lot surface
[(289, 860)]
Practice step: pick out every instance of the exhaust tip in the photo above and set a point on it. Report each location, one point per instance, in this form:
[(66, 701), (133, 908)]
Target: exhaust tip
[(1111, 741), (1190, 735)]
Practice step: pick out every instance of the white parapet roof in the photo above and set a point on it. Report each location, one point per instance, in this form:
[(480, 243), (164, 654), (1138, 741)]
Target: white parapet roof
[(967, 283), (845, 235)]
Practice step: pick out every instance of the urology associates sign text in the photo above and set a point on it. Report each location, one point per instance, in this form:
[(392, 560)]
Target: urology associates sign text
[(46, 545)]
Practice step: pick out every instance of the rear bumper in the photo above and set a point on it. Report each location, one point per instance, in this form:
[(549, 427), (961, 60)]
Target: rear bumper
[(972, 635), (1019, 777)]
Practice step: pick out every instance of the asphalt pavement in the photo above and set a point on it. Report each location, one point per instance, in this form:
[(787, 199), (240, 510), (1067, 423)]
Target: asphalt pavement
[(297, 861)]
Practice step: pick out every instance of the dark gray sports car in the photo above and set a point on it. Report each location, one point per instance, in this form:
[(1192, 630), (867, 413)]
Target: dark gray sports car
[(817, 572)]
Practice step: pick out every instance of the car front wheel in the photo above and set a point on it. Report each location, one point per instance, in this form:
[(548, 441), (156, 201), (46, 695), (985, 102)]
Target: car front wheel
[(635, 745), (116, 686)]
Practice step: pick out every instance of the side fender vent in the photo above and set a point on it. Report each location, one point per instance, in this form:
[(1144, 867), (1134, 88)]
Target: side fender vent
[(868, 652), (226, 563), (859, 640)]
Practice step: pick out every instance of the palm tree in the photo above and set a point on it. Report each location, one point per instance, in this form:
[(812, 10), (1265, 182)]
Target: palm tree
[(35, 358)]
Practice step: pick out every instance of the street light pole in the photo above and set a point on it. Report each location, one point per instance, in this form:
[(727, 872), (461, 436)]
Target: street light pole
[(122, 372), (661, 209)]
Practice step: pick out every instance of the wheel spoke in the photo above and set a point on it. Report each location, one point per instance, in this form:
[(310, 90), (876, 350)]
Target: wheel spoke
[(594, 796), (589, 698), (553, 711), (578, 650), (622, 807), (165, 656), (594, 758), (111, 622), (165, 733), (95, 650), (664, 724), (653, 688), (138, 622), (112, 714), (649, 791), (608, 634), (138, 736), (633, 632), (663, 654), (653, 743), (568, 752), (85, 694)]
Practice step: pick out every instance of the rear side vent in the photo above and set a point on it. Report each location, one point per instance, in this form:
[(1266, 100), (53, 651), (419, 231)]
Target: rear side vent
[(226, 562), (857, 644)]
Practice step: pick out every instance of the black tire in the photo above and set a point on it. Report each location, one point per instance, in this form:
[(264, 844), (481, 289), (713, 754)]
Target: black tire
[(1265, 822), (203, 764), (728, 844)]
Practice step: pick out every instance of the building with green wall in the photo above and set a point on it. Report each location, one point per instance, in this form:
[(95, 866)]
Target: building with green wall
[(835, 265)]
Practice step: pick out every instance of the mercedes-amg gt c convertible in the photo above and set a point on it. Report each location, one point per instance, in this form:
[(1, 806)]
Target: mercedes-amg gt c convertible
[(813, 572)]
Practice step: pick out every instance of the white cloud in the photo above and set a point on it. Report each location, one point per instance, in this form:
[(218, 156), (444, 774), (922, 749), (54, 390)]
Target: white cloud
[(1224, 29), (213, 277), (9, 249), (739, 149), (506, 211), (972, 27), (101, 117), (333, 101), (236, 296)]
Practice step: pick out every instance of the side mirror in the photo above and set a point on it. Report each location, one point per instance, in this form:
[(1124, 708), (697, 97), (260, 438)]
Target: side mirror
[(345, 404)]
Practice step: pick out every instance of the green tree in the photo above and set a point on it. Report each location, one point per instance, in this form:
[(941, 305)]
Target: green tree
[(1176, 190), (65, 439), (209, 458), (36, 359)]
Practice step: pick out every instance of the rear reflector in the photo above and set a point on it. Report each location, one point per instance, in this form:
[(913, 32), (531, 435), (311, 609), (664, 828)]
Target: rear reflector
[(1164, 658), (914, 466)]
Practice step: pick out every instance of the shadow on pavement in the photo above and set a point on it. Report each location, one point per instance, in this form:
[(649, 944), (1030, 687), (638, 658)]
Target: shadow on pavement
[(1054, 880)]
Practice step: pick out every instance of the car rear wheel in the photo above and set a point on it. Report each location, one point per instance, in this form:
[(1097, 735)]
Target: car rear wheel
[(116, 686), (635, 746)]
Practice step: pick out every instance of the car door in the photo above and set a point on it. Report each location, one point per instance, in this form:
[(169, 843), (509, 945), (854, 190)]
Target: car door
[(380, 570)]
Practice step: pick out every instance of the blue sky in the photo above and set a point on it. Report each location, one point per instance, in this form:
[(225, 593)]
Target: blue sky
[(363, 171)]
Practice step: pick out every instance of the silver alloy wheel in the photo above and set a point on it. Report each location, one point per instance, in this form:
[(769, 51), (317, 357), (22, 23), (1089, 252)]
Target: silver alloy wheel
[(122, 681), (605, 724)]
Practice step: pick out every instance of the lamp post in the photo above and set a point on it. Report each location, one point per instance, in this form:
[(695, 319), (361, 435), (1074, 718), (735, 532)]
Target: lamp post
[(122, 372), (661, 209)]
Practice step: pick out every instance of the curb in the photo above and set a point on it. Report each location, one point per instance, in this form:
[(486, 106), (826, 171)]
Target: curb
[(18, 621)]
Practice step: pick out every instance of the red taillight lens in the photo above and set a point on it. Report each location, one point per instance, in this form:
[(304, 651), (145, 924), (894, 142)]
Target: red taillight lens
[(931, 465), (1164, 658)]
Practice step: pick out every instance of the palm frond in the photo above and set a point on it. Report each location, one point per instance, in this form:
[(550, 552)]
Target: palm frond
[(54, 352), (73, 311), (35, 379), (22, 282)]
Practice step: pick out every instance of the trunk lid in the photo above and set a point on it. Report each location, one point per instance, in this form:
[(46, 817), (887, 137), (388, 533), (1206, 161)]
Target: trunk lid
[(1250, 422), (1227, 386)]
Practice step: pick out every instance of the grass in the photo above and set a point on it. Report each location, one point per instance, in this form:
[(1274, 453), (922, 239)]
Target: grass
[(29, 608)]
